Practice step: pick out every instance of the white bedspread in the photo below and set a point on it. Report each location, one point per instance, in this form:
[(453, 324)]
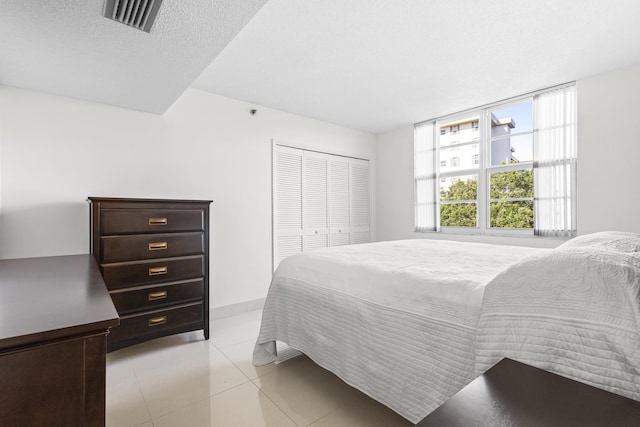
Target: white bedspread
[(574, 311), (396, 320)]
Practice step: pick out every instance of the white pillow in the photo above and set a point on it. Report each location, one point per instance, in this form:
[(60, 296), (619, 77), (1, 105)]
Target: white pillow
[(620, 241)]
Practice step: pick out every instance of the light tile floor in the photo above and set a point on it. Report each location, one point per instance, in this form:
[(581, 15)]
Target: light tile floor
[(185, 381)]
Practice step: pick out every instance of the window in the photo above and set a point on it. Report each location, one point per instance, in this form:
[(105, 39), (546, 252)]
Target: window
[(520, 175)]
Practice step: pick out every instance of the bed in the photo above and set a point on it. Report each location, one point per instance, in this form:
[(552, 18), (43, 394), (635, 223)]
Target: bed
[(411, 322)]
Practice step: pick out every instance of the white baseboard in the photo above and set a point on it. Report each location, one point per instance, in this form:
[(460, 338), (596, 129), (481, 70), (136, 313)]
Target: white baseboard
[(234, 309)]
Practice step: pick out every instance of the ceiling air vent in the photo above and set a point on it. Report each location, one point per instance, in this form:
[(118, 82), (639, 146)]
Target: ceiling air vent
[(139, 14)]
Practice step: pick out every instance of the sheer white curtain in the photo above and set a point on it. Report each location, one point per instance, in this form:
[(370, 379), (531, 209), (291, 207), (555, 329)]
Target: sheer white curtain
[(554, 156), (425, 173)]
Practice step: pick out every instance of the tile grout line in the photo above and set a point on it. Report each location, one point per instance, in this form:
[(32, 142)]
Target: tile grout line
[(211, 343), (231, 361), (144, 399), (252, 381), (274, 403), (198, 401), (153, 421), (322, 417)]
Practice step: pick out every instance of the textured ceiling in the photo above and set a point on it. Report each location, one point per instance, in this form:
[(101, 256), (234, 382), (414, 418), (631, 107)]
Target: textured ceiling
[(67, 47), (373, 65), (380, 64)]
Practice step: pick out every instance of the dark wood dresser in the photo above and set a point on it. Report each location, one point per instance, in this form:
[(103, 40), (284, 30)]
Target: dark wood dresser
[(54, 316), (154, 258)]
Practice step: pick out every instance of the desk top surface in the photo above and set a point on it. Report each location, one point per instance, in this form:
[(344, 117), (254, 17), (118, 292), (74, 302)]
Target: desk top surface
[(515, 394), (45, 299)]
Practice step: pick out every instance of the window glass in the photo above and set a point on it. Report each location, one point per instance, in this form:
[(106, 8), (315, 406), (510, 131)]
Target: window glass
[(520, 115), (512, 214), (459, 215), (459, 146), (514, 184), (512, 134), (511, 194), (459, 188), (458, 201)]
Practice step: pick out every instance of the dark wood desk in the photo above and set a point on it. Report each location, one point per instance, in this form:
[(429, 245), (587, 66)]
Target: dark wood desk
[(514, 394), (55, 313)]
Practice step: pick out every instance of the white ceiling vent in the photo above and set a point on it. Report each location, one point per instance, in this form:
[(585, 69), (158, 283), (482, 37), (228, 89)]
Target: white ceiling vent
[(139, 14)]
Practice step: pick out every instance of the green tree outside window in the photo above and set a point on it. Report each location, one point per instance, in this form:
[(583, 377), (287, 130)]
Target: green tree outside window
[(517, 184)]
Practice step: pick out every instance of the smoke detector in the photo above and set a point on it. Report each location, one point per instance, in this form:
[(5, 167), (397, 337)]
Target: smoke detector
[(138, 14)]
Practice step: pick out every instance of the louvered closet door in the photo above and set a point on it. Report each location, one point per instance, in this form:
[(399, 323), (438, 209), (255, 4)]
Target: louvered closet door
[(314, 201), (359, 201), (319, 200), (287, 201), (339, 218)]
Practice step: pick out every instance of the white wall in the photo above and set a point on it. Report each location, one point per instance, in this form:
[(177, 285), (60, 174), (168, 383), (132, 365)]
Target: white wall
[(395, 185), (608, 171), (56, 151)]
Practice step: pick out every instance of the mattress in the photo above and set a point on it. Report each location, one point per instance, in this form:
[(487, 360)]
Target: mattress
[(396, 320)]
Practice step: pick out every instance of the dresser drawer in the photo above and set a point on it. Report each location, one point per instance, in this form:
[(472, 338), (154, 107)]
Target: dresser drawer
[(157, 322), (146, 246), (125, 221), (152, 297), (127, 274)]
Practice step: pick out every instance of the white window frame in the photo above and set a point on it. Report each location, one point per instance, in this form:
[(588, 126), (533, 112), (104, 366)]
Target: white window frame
[(485, 169)]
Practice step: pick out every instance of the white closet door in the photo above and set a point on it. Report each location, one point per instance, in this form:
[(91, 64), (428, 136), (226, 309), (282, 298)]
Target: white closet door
[(314, 201), (287, 203), (359, 201), (319, 200), (339, 221)]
